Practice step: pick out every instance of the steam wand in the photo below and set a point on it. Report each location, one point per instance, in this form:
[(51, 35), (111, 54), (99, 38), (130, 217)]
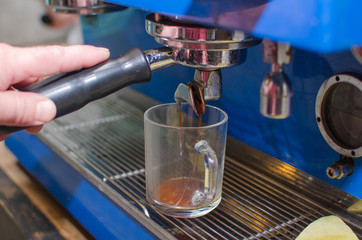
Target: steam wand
[(276, 90)]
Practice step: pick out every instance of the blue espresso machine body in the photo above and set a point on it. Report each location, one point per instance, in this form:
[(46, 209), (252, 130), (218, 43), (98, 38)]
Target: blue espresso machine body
[(295, 140), (321, 34)]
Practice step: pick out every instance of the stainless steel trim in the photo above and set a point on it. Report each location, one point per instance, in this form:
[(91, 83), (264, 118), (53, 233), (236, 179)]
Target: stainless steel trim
[(199, 46), (160, 58), (263, 198), (180, 34)]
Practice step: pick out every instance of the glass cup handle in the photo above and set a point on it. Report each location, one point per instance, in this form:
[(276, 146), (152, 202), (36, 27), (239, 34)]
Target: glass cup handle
[(211, 165)]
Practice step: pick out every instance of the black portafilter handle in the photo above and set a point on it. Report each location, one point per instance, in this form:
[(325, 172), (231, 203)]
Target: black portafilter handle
[(72, 91)]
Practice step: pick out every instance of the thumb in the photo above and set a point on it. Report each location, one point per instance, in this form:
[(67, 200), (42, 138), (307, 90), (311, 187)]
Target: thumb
[(25, 109)]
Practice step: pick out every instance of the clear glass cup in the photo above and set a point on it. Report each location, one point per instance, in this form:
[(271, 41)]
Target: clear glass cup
[(184, 164)]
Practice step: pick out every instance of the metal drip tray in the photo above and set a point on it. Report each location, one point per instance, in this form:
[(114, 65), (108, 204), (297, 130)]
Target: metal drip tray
[(263, 198)]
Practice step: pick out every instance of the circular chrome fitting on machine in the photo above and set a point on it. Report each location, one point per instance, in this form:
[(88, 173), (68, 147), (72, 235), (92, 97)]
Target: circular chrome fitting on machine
[(199, 46), (339, 114), (83, 7)]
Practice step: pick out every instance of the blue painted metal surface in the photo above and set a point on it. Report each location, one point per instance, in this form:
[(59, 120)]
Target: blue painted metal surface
[(94, 211), (321, 26), (295, 140)]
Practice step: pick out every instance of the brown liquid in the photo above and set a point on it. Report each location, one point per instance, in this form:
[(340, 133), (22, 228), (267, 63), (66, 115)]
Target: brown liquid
[(180, 131), (179, 113), (199, 114), (197, 98), (178, 191)]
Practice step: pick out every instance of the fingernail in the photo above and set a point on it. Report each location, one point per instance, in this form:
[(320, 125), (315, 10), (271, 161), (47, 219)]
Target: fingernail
[(105, 51), (45, 111)]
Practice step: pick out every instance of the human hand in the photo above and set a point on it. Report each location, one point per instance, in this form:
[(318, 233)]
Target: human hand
[(23, 66)]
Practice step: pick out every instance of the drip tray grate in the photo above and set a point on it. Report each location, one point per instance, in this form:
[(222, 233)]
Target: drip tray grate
[(263, 198)]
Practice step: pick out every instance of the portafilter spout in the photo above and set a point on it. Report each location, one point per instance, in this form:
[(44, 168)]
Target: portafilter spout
[(206, 86)]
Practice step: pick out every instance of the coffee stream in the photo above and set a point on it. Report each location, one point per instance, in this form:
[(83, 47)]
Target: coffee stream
[(198, 99), (180, 191)]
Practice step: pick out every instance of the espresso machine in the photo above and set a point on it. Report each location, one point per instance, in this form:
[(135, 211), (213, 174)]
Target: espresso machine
[(288, 74)]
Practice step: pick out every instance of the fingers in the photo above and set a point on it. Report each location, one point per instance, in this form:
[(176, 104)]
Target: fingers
[(30, 64), (25, 109), (4, 136), (23, 66), (33, 130)]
